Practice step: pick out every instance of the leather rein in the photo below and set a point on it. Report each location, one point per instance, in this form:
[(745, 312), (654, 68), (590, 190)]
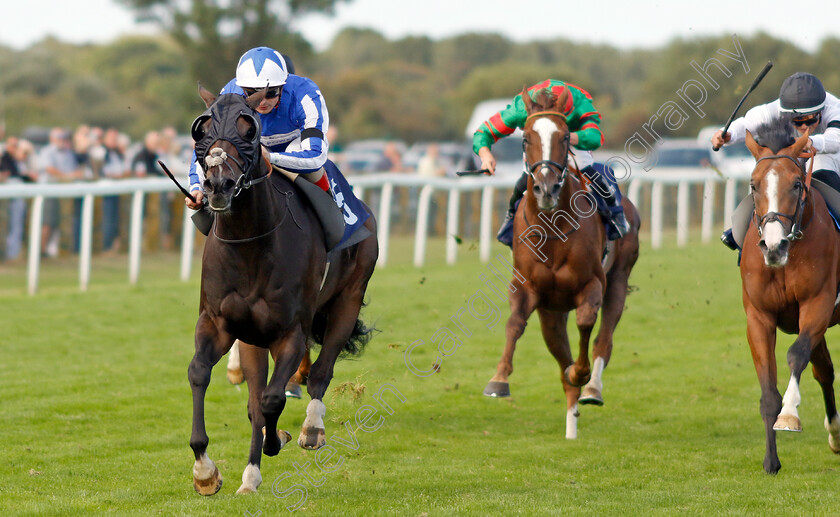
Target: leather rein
[(796, 229)]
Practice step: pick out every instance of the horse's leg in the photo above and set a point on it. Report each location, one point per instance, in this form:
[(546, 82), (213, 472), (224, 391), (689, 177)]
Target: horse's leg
[(813, 321), (588, 303), (556, 338), (293, 389), (287, 353), (210, 345), (254, 362), (234, 369), (522, 305), (761, 334), (614, 299), (823, 369)]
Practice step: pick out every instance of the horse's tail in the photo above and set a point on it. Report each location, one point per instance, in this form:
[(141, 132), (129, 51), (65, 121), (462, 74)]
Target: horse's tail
[(356, 343)]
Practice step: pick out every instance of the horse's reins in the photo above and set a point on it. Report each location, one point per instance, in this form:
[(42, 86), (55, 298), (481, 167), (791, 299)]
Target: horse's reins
[(796, 230)]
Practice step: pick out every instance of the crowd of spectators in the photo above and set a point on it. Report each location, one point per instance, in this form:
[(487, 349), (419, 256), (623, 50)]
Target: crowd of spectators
[(89, 154)]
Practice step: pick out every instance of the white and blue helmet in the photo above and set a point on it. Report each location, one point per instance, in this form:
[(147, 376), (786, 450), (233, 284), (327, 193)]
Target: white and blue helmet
[(261, 67)]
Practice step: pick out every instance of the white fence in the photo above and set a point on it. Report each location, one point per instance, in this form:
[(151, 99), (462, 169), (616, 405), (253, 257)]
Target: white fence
[(658, 182)]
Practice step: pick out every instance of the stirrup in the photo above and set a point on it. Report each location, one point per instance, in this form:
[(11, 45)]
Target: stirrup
[(505, 234), (728, 240), (618, 226)]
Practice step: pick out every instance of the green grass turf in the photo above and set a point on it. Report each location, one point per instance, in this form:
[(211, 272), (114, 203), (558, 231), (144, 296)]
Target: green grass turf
[(96, 406)]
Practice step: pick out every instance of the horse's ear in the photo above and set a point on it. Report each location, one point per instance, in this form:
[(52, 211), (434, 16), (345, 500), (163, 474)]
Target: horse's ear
[(801, 142), (206, 96), (562, 99), (753, 146), (529, 104), (255, 99)]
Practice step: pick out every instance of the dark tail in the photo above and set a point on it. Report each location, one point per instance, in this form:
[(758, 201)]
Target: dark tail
[(357, 341)]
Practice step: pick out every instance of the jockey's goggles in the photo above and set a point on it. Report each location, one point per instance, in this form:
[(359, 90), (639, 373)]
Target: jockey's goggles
[(270, 93), (807, 121)]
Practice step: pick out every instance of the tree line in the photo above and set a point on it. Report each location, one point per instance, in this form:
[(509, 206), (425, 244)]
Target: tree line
[(413, 88)]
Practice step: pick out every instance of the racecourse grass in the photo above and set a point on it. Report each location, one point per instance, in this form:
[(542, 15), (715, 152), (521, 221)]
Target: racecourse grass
[(96, 405)]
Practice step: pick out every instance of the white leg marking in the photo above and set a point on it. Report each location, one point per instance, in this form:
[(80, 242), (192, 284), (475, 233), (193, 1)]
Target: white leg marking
[(203, 468), (791, 399), (833, 428), (545, 127), (233, 357), (315, 413), (251, 479), (571, 422), (597, 371)]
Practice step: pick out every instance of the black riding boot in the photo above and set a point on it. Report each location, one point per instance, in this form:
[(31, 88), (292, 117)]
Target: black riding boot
[(505, 235), (618, 226)]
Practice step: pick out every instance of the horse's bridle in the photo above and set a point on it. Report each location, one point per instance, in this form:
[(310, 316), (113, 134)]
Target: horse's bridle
[(796, 230), (244, 181), (531, 168)]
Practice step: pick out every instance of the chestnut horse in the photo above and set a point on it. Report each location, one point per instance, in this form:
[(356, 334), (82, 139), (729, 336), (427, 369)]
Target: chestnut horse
[(563, 269), (265, 280), (789, 270)]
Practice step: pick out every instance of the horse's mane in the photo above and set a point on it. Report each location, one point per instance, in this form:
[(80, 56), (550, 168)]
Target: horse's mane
[(776, 134), (544, 99)]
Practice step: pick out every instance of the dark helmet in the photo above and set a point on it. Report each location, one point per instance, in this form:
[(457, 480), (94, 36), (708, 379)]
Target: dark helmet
[(801, 94)]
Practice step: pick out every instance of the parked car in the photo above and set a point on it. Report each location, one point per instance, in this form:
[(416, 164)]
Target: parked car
[(733, 160)]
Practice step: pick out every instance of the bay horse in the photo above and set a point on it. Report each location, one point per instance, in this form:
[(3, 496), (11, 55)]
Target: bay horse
[(790, 267), (563, 270), (265, 280)]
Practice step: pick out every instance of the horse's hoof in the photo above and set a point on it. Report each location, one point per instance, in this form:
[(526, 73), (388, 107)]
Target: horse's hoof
[(210, 485), (245, 490), (497, 389), (574, 378), (312, 438), (235, 376), (788, 423), (590, 396), (293, 390)]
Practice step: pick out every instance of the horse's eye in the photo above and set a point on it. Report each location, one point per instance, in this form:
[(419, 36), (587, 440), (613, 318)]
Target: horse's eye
[(752, 187), (797, 185)]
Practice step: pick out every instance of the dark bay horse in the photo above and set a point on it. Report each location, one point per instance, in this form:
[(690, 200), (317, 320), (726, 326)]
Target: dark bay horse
[(268, 281), (558, 248), (790, 269)]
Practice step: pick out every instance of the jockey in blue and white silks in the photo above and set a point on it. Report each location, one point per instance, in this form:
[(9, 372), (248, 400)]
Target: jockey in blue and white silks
[(294, 121), (293, 116)]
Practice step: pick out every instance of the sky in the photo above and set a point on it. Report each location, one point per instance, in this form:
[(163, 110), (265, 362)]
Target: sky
[(624, 24)]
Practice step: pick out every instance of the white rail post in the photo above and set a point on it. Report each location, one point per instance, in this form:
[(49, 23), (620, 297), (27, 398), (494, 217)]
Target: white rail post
[(452, 226), (187, 245), (86, 242), (422, 227), (135, 237), (633, 191), (728, 203), (708, 210), (656, 215), (384, 222), (36, 221), (485, 236), (682, 214)]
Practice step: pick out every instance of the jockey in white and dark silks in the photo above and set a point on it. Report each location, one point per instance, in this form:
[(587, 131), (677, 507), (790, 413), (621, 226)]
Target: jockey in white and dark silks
[(585, 136), (804, 102), (294, 120)]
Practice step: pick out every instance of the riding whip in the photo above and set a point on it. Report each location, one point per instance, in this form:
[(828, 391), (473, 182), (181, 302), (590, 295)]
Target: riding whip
[(473, 173), (758, 79)]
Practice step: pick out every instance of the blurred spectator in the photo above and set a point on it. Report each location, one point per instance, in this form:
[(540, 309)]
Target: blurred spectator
[(96, 151), (58, 163), (430, 165), (144, 164), (334, 146), (81, 149), (168, 152), (114, 166), (15, 168), (392, 158)]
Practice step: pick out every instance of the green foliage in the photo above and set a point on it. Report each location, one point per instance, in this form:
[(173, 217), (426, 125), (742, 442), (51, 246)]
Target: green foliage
[(412, 88)]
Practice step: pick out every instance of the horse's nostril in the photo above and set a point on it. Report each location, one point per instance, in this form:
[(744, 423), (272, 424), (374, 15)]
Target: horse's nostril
[(229, 184), (537, 189), (784, 245), (762, 244), (208, 186), (555, 189)]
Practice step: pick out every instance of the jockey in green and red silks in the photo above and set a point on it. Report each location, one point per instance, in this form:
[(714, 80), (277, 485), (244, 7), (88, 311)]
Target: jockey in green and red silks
[(585, 136)]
